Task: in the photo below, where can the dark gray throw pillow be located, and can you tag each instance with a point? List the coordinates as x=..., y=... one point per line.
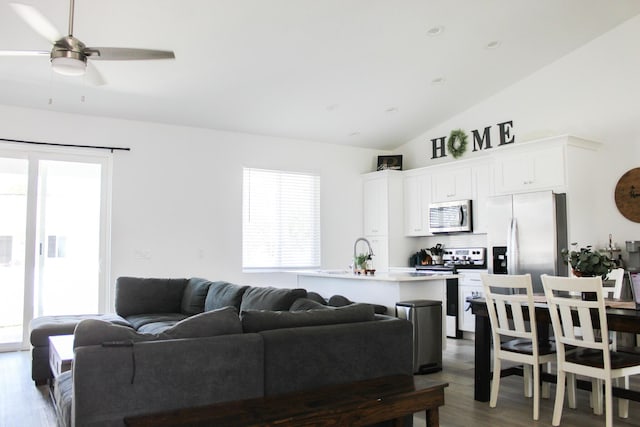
x=307, y=304
x=262, y=320
x=224, y=294
x=223, y=321
x=208, y=324
x=268, y=298
x=194, y=295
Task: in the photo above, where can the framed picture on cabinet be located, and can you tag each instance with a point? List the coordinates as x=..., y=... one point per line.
x=390, y=162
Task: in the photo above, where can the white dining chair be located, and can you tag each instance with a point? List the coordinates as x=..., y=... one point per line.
x=594, y=357
x=515, y=336
x=617, y=276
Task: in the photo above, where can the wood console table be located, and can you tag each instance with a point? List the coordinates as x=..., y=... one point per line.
x=353, y=404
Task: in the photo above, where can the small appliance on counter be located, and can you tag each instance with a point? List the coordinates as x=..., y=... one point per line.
x=455, y=259
x=633, y=249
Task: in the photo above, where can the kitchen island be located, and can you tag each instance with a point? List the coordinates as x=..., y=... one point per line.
x=382, y=288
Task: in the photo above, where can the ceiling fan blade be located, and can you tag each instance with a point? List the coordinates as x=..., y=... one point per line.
x=24, y=53
x=94, y=76
x=126, y=54
x=37, y=21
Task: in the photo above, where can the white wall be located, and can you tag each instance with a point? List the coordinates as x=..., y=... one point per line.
x=177, y=195
x=593, y=93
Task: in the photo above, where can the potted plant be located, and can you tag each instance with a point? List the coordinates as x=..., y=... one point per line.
x=361, y=261
x=586, y=263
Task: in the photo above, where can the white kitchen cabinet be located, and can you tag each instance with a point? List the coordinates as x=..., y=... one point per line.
x=482, y=189
x=527, y=170
x=469, y=286
x=417, y=196
x=383, y=218
x=452, y=184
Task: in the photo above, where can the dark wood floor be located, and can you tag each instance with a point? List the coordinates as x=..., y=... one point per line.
x=22, y=404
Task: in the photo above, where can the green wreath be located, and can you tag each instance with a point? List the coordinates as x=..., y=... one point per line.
x=457, y=143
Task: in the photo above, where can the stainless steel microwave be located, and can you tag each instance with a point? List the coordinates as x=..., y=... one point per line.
x=450, y=217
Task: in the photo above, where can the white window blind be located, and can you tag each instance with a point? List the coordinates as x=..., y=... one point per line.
x=281, y=220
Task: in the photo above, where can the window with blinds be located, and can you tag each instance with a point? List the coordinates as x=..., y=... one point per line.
x=280, y=220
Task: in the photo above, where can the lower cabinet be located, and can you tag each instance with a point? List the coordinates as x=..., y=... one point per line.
x=469, y=286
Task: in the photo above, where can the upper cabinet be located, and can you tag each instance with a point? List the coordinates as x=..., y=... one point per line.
x=383, y=217
x=530, y=169
x=452, y=184
x=376, y=205
x=417, y=196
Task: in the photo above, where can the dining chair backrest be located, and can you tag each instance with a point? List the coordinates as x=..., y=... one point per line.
x=515, y=293
x=617, y=276
x=569, y=312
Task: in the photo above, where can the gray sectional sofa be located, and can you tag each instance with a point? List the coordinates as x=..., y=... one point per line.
x=187, y=342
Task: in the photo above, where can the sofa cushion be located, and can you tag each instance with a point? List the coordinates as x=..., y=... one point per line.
x=268, y=298
x=208, y=324
x=340, y=301
x=135, y=295
x=138, y=321
x=97, y=332
x=262, y=320
x=224, y=294
x=307, y=304
x=195, y=293
x=44, y=327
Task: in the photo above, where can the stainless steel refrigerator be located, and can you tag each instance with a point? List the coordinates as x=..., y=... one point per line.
x=526, y=233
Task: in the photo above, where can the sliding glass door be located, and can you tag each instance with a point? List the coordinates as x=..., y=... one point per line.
x=53, y=239
x=14, y=174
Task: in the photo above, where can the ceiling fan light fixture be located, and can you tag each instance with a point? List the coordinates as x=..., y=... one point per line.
x=68, y=66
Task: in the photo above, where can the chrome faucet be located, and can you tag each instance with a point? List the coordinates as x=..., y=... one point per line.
x=355, y=255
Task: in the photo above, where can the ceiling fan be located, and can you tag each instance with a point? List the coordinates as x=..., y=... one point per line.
x=69, y=55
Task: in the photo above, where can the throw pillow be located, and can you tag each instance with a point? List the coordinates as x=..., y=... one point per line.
x=307, y=304
x=223, y=321
x=316, y=297
x=224, y=294
x=208, y=324
x=194, y=295
x=262, y=320
x=268, y=298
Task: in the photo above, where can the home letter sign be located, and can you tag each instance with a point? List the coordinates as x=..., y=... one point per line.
x=480, y=141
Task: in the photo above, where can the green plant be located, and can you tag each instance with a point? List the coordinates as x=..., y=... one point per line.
x=587, y=263
x=361, y=260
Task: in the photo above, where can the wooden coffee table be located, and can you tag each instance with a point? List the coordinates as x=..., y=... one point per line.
x=354, y=404
x=60, y=353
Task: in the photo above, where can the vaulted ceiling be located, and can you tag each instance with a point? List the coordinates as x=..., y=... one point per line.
x=369, y=73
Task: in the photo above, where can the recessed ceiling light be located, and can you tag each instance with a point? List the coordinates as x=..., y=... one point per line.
x=352, y=134
x=435, y=31
x=391, y=110
x=438, y=81
x=332, y=107
x=493, y=44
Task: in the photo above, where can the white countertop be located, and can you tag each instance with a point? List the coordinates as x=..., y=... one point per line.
x=384, y=277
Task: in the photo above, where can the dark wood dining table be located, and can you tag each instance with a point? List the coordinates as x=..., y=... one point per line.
x=621, y=317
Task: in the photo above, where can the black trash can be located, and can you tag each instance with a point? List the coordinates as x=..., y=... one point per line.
x=426, y=317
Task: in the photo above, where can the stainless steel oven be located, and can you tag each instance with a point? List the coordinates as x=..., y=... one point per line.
x=454, y=260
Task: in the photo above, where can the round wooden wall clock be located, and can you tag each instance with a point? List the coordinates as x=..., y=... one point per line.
x=628, y=195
